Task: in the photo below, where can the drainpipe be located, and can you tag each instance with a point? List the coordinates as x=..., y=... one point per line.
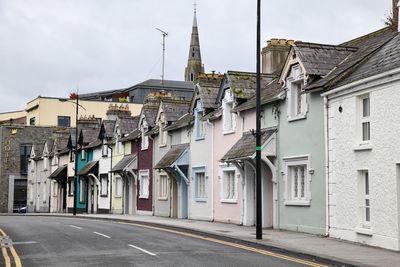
x=326, y=130
x=212, y=168
x=109, y=147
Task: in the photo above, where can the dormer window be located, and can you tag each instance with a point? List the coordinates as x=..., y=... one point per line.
x=198, y=123
x=297, y=101
x=163, y=135
x=145, y=138
x=104, y=150
x=229, y=122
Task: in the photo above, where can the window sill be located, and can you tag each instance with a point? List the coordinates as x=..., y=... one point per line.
x=233, y=201
x=296, y=118
x=199, y=138
x=200, y=199
x=144, y=197
x=103, y=195
x=362, y=147
x=363, y=231
x=162, y=198
x=118, y=196
x=105, y=156
x=298, y=203
x=228, y=132
x=164, y=145
x=143, y=149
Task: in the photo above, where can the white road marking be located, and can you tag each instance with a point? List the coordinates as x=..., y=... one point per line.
x=97, y=233
x=77, y=227
x=141, y=249
x=24, y=242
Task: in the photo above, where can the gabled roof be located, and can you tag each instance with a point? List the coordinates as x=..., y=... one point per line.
x=38, y=150
x=174, y=109
x=171, y=156
x=366, y=45
x=120, y=166
x=127, y=125
x=150, y=109
x=109, y=126
x=93, y=144
x=206, y=90
x=153, y=131
x=90, y=167
x=320, y=59
x=242, y=84
x=245, y=147
x=132, y=136
x=185, y=120
x=60, y=172
x=90, y=135
x=385, y=59
x=270, y=93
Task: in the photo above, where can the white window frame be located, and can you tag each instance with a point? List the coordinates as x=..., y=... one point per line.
x=82, y=192
x=45, y=163
x=118, y=186
x=289, y=163
x=104, y=180
x=83, y=154
x=145, y=138
x=223, y=169
x=44, y=191
x=162, y=186
x=162, y=136
x=144, y=190
x=199, y=125
x=198, y=187
x=293, y=82
x=363, y=119
x=227, y=106
x=364, y=197
x=71, y=182
x=104, y=150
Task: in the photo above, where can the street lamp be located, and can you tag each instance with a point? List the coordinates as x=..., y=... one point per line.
x=75, y=96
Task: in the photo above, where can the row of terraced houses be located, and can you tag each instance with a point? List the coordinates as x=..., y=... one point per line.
x=330, y=160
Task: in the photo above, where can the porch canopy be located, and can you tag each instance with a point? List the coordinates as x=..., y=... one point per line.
x=177, y=156
x=60, y=174
x=245, y=147
x=128, y=164
x=92, y=167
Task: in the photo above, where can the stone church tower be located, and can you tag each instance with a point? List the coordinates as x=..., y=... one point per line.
x=194, y=66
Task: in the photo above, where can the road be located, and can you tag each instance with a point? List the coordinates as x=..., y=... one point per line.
x=57, y=241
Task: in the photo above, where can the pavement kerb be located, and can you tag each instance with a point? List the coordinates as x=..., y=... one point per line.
x=321, y=258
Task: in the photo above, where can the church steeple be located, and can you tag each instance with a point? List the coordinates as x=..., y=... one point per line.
x=194, y=66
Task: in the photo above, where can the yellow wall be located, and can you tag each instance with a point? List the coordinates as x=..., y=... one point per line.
x=50, y=108
x=12, y=115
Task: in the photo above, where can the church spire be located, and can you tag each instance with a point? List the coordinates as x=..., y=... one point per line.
x=194, y=66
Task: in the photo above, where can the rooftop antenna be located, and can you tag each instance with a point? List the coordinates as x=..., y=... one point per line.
x=164, y=34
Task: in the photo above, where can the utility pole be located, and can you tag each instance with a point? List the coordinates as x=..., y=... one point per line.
x=258, y=133
x=164, y=34
x=76, y=153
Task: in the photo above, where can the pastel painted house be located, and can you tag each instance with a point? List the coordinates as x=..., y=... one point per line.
x=201, y=147
x=362, y=129
x=171, y=159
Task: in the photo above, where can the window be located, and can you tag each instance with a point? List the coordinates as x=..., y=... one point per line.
x=144, y=184
x=83, y=154
x=296, y=173
x=145, y=138
x=71, y=186
x=364, y=199
x=104, y=150
x=200, y=182
x=118, y=187
x=163, y=136
x=25, y=153
x=98, y=122
x=32, y=121
x=191, y=77
x=297, y=106
x=228, y=182
x=104, y=185
x=45, y=163
x=228, y=116
x=54, y=188
x=162, y=186
x=72, y=156
x=63, y=121
x=365, y=118
x=44, y=190
x=198, y=123
x=82, y=186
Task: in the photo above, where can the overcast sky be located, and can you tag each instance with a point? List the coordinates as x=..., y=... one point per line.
x=51, y=47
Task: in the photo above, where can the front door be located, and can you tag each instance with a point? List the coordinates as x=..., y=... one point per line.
x=173, y=198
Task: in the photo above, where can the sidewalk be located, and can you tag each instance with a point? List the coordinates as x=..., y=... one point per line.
x=323, y=247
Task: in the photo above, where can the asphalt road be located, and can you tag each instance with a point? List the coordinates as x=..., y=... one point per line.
x=50, y=241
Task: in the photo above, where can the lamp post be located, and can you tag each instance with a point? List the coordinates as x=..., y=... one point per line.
x=258, y=134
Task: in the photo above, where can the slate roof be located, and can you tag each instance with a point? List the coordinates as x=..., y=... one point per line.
x=171, y=156
x=185, y=120
x=208, y=90
x=93, y=144
x=60, y=144
x=174, y=109
x=366, y=45
x=60, y=172
x=243, y=84
x=245, y=147
x=320, y=59
x=127, y=125
x=90, y=135
x=168, y=84
x=123, y=162
x=213, y=115
x=38, y=149
x=270, y=93
x=132, y=136
x=90, y=167
x=385, y=59
x=109, y=126
x=153, y=131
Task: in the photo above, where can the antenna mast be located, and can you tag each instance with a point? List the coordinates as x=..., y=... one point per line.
x=164, y=34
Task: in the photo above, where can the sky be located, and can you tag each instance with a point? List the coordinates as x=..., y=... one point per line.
x=54, y=47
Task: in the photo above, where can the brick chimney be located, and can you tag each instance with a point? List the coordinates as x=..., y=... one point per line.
x=87, y=122
x=115, y=111
x=274, y=54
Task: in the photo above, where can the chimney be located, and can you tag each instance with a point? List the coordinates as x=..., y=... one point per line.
x=115, y=111
x=274, y=54
x=88, y=122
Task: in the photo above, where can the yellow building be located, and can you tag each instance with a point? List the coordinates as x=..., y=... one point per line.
x=49, y=111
